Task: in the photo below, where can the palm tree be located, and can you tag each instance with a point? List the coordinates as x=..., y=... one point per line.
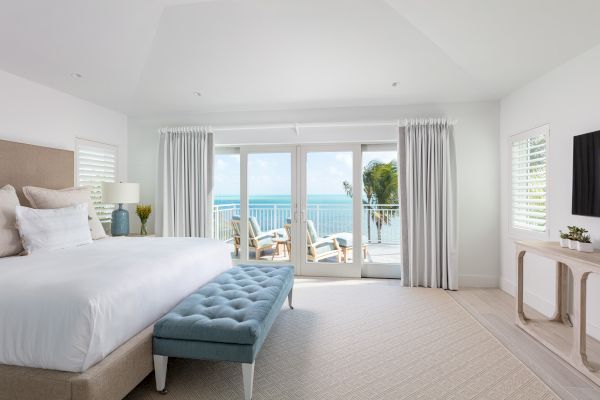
x=385, y=189
x=380, y=186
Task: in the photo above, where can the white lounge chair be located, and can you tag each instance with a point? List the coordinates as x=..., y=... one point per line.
x=257, y=240
x=318, y=248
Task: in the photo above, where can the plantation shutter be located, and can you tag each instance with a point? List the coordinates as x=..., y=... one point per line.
x=528, y=180
x=97, y=163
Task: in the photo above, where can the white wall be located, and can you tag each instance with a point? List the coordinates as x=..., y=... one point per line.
x=477, y=161
x=35, y=114
x=567, y=98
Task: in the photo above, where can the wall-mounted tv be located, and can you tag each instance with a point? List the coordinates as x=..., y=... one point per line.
x=586, y=174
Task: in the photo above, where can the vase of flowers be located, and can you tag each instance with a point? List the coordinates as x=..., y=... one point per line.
x=143, y=211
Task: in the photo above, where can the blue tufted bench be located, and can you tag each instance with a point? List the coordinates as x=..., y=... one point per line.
x=227, y=319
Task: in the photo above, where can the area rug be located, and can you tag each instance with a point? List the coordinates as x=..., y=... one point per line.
x=364, y=339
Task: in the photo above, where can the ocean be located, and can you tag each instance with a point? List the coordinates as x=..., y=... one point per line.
x=329, y=213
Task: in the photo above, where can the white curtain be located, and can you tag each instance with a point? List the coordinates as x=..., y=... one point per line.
x=427, y=186
x=185, y=182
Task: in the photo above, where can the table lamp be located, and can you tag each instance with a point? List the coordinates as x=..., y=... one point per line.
x=120, y=193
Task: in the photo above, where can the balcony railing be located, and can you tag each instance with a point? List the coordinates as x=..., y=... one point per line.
x=328, y=218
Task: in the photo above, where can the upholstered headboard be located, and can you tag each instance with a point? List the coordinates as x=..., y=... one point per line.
x=27, y=165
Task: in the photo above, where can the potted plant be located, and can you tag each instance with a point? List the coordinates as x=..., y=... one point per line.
x=564, y=239
x=143, y=211
x=574, y=234
x=584, y=243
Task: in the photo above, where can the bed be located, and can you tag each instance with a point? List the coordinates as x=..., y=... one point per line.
x=76, y=324
x=67, y=310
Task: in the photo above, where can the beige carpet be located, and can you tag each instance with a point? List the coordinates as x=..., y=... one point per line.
x=364, y=339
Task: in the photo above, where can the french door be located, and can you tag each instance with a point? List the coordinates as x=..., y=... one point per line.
x=329, y=210
x=268, y=205
x=305, y=205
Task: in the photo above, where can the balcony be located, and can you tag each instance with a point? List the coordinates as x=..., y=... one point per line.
x=380, y=228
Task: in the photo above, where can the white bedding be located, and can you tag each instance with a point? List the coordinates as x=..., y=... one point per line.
x=68, y=309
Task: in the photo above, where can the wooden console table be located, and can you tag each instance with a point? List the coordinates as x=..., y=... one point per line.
x=563, y=334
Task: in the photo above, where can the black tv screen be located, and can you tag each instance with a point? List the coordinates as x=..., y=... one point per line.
x=586, y=174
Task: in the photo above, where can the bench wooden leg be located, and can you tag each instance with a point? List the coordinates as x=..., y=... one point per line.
x=248, y=375
x=160, y=373
x=290, y=298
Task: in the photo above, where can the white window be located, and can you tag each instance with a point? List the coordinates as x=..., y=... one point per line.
x=96, y=163
x=529, y=152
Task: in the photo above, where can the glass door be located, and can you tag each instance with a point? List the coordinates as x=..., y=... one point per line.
x=227, y=198
x=329, y=212
x=268, y=204
x=380, y=219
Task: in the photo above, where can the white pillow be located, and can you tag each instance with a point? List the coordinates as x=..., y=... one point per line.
x=53, y=229
x=49, y=198
x=10, y=244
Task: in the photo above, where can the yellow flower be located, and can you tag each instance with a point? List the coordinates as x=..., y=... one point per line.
x=143, y=211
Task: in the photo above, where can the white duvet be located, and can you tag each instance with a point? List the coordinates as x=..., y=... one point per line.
x=68, y=309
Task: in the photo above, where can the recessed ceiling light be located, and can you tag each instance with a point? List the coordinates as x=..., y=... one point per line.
x=76, y=75
x=394, y=84
x=197, y=94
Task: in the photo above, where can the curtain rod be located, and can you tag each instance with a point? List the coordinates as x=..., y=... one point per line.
x=298, y=126
x=301, y=125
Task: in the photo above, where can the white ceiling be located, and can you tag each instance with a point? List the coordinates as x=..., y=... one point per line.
x=147, y=57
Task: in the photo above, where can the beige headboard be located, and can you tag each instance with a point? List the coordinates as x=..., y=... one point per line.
x=27, y=165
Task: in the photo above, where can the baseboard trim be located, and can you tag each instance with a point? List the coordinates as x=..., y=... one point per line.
x=593, y=331
x=531, y=299
x=508, y=286
x=477, y=281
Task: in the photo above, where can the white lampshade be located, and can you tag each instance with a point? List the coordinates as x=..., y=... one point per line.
x=120, y=192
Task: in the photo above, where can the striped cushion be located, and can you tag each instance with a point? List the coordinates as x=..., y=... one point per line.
x=53, y=229
x=312, y=231
x=255, y=226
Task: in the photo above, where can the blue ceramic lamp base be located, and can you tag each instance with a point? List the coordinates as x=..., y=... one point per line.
x=120, y=222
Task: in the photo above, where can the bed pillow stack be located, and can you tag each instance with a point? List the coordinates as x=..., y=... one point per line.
x=53, y=229
x=59, y=219
x=10, y=243
x=47, y=198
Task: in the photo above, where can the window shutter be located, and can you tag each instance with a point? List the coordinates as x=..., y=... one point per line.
x=97, y=163
x=528, y=180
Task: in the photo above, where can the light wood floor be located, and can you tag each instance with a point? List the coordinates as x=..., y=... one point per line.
x=494, y=309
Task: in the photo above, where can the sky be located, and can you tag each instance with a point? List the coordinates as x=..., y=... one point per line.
x=270, y=173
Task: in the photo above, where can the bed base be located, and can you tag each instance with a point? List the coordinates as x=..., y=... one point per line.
x=111, y=379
